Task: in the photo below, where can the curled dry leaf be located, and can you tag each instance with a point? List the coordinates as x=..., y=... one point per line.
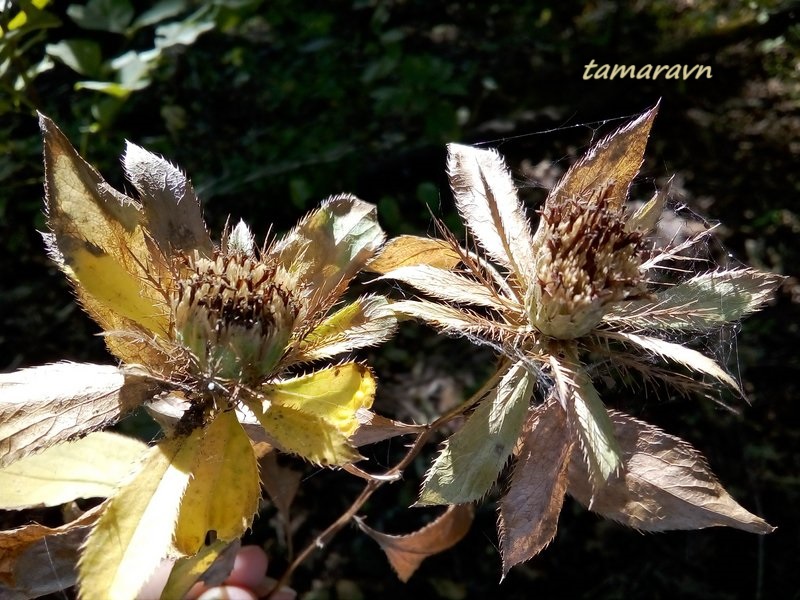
x=664, y=484
x=375, y=428
x=406, y=552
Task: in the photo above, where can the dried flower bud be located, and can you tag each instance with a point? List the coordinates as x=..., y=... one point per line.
x=587, y=260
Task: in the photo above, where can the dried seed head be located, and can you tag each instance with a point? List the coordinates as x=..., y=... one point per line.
x=586, y=261
x=233, y=314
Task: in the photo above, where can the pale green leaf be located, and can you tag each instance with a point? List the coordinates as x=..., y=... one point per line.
x=589, y=421
x=701, y=303
x=663, y=484
x=91, y=467
x=487, y=202
x=691, y=359
x=135, y=530
x=329, y=246
x=473, y=457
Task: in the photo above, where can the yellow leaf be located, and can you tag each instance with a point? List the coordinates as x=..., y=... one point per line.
x=305, y=435
x=98, y=241
x=224, y=491
x=410, y=250
x=135, y=530
x=333, y=394
x=91, y=467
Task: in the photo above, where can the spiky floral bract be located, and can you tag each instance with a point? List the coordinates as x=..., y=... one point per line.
x=577, y=293
x=219, y=330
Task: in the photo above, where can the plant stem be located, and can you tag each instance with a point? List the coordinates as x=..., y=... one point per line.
x=372, y=485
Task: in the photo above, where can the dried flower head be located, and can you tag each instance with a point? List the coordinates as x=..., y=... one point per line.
x=561, y=305
x=210, y=338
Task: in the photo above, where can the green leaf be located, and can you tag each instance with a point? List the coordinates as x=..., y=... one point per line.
x=473, y=457
x=701, y=303
x=162, y=11
x=82, y=56
x=102, y=15
x=590, y=421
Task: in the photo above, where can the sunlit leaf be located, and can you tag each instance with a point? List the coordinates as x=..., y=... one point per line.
x=366, y=322
x=691, y=359
x=42, y=406
x=36, y=560
x=406, y=552
x=530, y=507
x=646, y=217
x=330, y=245
x=664, y=484
x=446, y=285
x=306, y=435
x=98, y=241
x=409, y=250
x=135, y=530
x=333, y=394
x=703, y=302
x=487, y=201
x=91, y=467
x=171, y=209
x=472, y=458
x=224, y=491
x=589, y=420
x=614, y=160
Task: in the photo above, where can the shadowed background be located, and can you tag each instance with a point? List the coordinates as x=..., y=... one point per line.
x=272, y=106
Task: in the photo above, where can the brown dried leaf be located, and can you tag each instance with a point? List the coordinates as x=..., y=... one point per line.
x=45, y=405
x=529, y=509
x=36, y=560
x=376, y=428
x=406, y=552
x=410, y=250
x=664, y=484
x=615, y=159
x=281, y=483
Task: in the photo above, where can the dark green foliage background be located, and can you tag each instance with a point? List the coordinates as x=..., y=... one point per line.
x=271, y=106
